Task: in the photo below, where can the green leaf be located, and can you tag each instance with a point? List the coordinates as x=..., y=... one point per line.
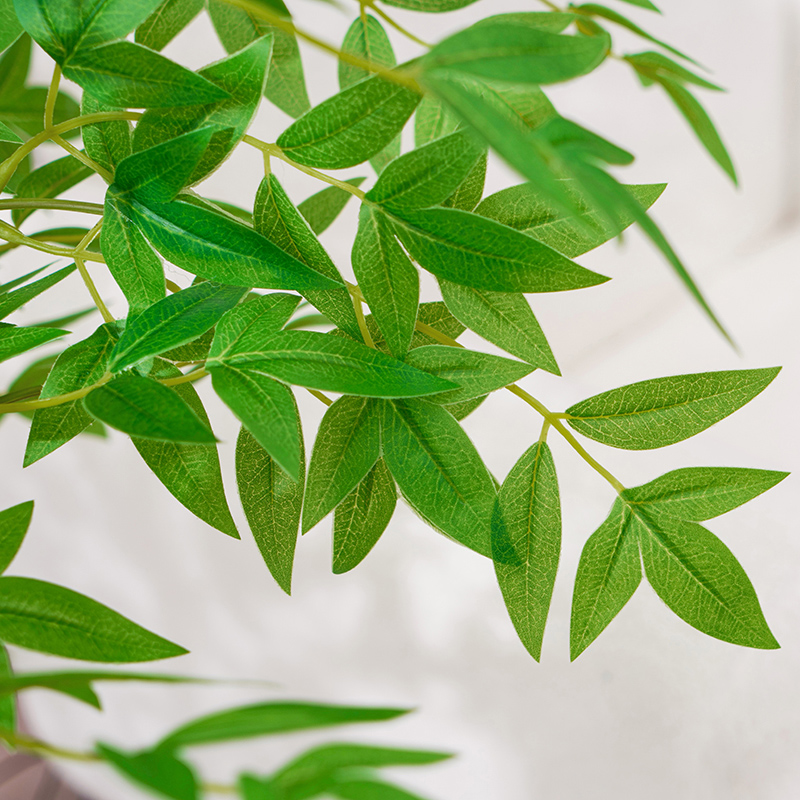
x=369, y=789
x=346, y=448
x=696, y=575
x=131, y=261
x=334, y=364
x=266, y=408
x=10, y=31
x=23, y=111
x=660, y=412
x=13, y=300
x=526, y=209
x=699, y=493
x=15, y=340
x=49, y=180
x=652, y=66
x=242, y=76
x=474, y=251
x=156, y=770
x=127, y=74
x=265, y=719
x=14, y=524
x=215, y=246
x=7, y=135
x=504, y=319
x=470, y=190
x=428, y=175
x=252, y=788
x=642, y=4
x=439, y=471
x=15, y=62
x=609, y=572
x=361, y=518
x=8, y=705
x=190, y=472
x=52, y=619
x=286, y=86
x=437, y=316
x=80, y=365
x=432, y=120
x=146, y=409
x=366, y=39
x=107, y=143
x=529, y=523
x=387, y=279
x=277, y=219
x=28, y=383
x=506, y=50
x=173, y=321
x=272, y=502
x=322, y=208
x=351, y=126
x=475, y=373
x=433, y=6
x=166, y=22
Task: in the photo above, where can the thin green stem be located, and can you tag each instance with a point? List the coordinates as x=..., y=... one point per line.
x=84, y=159
x=53, y=203
x=11, y=234
x=389, y=21
x=32, y=405
x=80, y=252
x=52, y=96
x=362, y=322
x=219, y=788
x=189, y=377
x=545, y=429
x=43, y=748
x=320, y=396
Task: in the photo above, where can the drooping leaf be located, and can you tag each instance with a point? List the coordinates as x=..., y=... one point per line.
x=15, y=340
x=529, y=523
x=157, y=770
x=14, y=524
x=107, y=143
x=387, y=279
x=660, y=412
x=147, y=409
x=272, y=502
x=609, y=572
x=322, y=208
x=11, y=301
x=504, y=319
x=439, y=471
x=265, y=719
x=8, y=705
x=700, y=493
x=361, y=518
x=345, y=450
x=52, y=619
x=166, y=22
x=49, y=180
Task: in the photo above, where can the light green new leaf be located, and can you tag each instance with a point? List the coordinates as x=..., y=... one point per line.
x=242, y=76
x=146, y=409
x=190, y=472
x=346, y=448
x=8, y=705
x=173, y=321
x=504, y=319
x=266, y=408
x=322, y=208
x=166, y=22
x=14, y=524
x=107, y=143
x=10, y=30
x=660, y=412
x=475, y=373
x=351, y=126
x=129, y=75
x=526, y=209
x=265, y=719
x=286, y=86
x=11, y=301
x=387, y=279
x=131, y=261
x=7, y=135
x=276, y=218
x=157, y=770
x=696, y=575
x=52, y=619
x=335, y=364
x=699, y=493
x=529, y=524
x=609, y=572
x=439, y=471
x=15, y=340
x=49, y=180
x=272, y=502
x=432, y=6
x=213, y=245
x=361, y=518
x=80, y=365
x=474, y=251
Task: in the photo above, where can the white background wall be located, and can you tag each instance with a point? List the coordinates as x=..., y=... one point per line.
x=653, y=708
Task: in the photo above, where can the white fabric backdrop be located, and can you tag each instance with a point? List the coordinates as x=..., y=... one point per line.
x=653, y=708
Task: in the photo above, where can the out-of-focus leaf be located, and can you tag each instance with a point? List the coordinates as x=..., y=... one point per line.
x=49, y=180
x=14, y=524
x=157, y=770
x=13, y=300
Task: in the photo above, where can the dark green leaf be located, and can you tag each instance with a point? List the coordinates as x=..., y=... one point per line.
x=10, y=30
x=439, y=471
x=146, y=409
x=13, y=300
x=14, y=524
x=15, y=340
x=272, y=502
x=157, y=770
x=432, y=120
x=265, y=719
x=346, y=448
x=257, y=788
x=166, y=22
x=107, y=143
x=51, y=619
x=361, y=518
x=660, y=412
x=322, y=208
x=609, y=572
x=8, y=705
x=49, y=180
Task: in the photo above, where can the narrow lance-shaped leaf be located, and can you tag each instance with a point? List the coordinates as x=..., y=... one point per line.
x=432, y=6
x=660, y=412
x=347, y=788
x=7, y=135
x=322, y=208
x=49, y=180
x=272, y=502
x=156, y=770
x=650, y=66
x=15, y=340
x=8, y=705
x=14, y=524
x=166, y=22
x=13, y=300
